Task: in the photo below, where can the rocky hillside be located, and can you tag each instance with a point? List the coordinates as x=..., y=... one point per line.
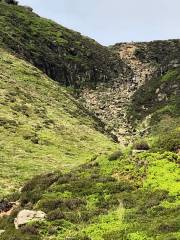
x=104, y=79
x=63, y=54
x=112, y=101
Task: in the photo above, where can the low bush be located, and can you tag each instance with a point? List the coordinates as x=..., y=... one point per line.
x=141, y=145
x=114, y=156
x=30, y=230
x=54, y=215
x=13, y=234
x=169, y=142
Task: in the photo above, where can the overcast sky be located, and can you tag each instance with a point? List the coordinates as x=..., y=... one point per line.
x=112, y=21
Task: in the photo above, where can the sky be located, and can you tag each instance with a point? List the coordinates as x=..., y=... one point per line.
x=112, y=21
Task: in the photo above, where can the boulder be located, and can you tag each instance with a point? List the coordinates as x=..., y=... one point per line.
x=26, y=216
x=2, y=231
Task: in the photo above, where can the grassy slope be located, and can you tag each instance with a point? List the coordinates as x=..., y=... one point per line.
x=135, y=197
x=41, y=128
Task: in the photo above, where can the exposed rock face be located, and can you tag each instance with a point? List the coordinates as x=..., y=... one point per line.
x=25, y=216
x=110, y=101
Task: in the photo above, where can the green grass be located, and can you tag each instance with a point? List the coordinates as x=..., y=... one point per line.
x=41, y=127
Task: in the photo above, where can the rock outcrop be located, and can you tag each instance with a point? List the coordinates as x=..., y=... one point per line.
x=25, y=216
x=110, y=101
x=5, y=206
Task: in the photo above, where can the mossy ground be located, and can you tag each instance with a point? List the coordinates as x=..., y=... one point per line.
x=41, y=127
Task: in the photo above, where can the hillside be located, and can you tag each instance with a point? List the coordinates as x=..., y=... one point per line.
x=149, y=62
x=41, y=126
x=104, y=79
x=65, y=103
x=63, y=54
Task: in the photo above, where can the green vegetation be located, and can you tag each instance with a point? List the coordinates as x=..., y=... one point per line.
x=42, y=128
x=134, y=197
x=94, y=190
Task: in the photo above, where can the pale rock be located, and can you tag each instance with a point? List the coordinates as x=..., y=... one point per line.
x=2, y=231
x=25, y=216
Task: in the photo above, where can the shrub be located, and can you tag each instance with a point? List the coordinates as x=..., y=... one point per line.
x=168, y=227
x=114, y=156
x=13, y=234
x=31, y=230
x=50, y=205
x=169, y=142
x=56, y=214
x=13, y=2
x=141, y=145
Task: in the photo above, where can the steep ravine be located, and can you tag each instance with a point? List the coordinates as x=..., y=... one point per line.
x=111, y=101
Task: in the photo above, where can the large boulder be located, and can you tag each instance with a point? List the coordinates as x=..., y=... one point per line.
x=26, y=216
